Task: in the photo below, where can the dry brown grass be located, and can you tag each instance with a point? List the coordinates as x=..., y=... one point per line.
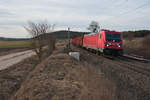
x=138, y=43
x=146, y=42
x=62, y=78
x=96, y=86
x=134, y=43
x=138, y=46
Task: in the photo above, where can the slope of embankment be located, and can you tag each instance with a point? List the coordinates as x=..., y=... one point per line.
x=61, y=77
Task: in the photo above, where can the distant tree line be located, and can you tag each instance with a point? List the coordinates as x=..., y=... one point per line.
x=133, y=34
x=13, y=39
x=64, y=34
x=126, y=34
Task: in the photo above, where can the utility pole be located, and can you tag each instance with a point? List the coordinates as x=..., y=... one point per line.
x=68, y=37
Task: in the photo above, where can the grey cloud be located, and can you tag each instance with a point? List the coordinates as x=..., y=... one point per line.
x=76, y=13
x=5, y=13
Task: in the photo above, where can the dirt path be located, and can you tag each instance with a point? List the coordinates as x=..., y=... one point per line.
x=11, y=59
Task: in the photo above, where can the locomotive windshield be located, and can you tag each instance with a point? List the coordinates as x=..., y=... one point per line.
x=113, y=37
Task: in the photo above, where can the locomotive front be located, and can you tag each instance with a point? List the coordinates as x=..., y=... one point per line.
x=113, y=43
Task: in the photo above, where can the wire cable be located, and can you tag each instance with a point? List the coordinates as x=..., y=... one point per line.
x=139, y=7
x=135, y=9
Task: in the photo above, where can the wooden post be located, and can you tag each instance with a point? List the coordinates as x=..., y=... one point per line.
x=68, y=38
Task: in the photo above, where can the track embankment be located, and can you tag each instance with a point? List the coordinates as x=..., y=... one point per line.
x=61, y=77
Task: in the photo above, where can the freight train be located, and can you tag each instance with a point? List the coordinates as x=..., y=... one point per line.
x=105, y=42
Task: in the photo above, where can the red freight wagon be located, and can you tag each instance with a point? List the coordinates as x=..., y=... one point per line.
x=90, y=41
x=108, y=42
x=77, y=41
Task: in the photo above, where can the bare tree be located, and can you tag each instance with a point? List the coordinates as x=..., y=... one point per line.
x=94, y=26
x=39, y=39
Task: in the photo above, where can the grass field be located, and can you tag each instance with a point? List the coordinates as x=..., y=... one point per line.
x=14, y=44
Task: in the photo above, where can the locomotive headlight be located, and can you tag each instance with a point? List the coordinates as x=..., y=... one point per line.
x=108, y=44
x=119, y=45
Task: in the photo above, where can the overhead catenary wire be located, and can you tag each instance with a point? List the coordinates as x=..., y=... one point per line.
x=112, y=19
x=139, y=7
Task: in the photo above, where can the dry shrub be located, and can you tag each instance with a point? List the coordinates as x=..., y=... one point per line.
x=51, y=45
x=96, y=86
x=39, y=38
x=146, y=41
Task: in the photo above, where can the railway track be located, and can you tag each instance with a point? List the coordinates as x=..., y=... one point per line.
x=128, y=62
x=131, y=64
x=136, y=58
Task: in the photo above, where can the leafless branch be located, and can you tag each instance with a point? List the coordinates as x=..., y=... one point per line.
x=39, y=40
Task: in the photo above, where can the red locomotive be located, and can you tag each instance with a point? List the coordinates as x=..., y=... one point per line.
x=107, y=42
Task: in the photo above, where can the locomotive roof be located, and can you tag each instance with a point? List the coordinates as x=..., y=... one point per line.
x=110, y=31
x=101, y=31
x=91, y=34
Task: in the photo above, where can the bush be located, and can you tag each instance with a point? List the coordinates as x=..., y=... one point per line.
x=146, y=41
x=135, y=34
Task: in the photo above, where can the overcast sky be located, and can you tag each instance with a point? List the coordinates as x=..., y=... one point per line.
x=117, y=15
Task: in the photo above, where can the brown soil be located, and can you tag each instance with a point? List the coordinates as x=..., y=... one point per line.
x=11, y=78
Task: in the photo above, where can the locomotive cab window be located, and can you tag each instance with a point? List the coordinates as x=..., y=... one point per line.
x=113, y=37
